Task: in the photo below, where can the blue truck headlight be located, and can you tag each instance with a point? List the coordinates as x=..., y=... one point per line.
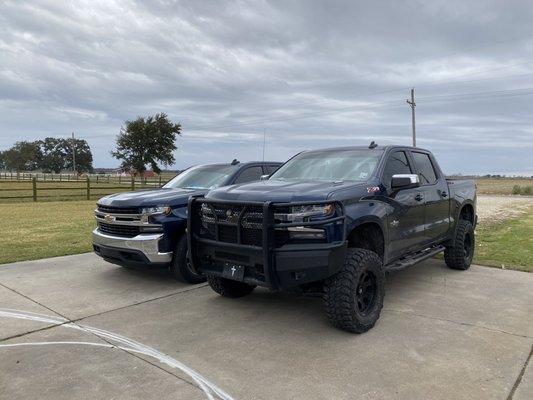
x=157, y=210
x=306, y=212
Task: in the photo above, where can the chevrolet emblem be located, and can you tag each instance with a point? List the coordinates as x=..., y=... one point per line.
x=232, y=216
x=109, y=218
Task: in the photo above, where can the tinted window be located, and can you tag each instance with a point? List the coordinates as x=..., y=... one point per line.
x=425, y=168
x=271, y=168
x=250, y=174
x=396, y=164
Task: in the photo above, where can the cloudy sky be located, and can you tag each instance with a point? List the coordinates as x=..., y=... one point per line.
x=310, y=74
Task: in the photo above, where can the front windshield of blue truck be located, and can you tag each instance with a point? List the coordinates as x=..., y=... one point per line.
x=331, y=166
x=202, y=177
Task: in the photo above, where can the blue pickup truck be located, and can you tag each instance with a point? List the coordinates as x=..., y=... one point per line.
x=332, y=222
x=146, y=228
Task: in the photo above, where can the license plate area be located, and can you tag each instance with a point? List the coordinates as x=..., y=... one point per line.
x=233, y=271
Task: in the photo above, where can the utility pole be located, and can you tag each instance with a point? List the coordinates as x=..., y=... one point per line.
x=73, y=153
x=413, y=105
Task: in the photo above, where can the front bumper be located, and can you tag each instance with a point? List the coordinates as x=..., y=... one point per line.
x=265, y=262
x=140, y=249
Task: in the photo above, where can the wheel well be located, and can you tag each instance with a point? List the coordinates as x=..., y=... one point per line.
x=368, y=236
x=467, y=213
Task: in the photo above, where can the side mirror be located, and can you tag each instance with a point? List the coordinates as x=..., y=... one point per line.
x=264, y=177
x=405, y=181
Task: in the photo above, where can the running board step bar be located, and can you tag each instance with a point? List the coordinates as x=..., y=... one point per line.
x=414, y=258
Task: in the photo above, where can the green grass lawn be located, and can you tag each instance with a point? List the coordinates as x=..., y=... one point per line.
x=30, y=231
x=509, y=243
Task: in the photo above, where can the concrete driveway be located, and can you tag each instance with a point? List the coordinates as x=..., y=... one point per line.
x=77, y=327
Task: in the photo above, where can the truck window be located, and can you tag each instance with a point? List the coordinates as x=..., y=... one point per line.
x=249, y=175
x=396, y=164
x=425, y=168
x=271, y=169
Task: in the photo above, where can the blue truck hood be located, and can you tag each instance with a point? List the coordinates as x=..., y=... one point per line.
x=279, y=191
x=150, y=198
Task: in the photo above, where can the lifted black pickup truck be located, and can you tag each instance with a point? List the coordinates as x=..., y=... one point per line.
x=333, y=222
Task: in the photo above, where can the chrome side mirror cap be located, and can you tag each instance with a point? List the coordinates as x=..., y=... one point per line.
x=405, y=181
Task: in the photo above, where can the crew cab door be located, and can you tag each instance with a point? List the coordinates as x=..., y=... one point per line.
x=406, y=219
x=436, y=196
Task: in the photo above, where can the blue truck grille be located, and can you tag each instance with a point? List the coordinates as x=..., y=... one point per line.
x=227, y=218
x=118, y=230
x=118, y=210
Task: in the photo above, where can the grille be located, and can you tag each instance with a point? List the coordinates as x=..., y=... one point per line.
x=251, y=224
x=118, y=210
x=118, y=230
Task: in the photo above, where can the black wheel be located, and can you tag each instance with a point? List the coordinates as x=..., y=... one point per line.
x=354, y=296
x=228, y=288
x=459, y=256
x=180, y=268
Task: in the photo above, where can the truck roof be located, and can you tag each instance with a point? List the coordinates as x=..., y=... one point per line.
x=385, y=148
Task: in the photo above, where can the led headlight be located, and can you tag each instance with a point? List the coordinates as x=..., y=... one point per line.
x=157, y=210
x=148, y=212
x=304, y=213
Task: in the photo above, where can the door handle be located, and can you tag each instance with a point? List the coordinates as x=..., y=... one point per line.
x=418, y=197
x=444, y=194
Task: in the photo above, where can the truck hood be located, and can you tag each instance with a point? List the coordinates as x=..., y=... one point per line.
x=279, y=191
x=150, y=198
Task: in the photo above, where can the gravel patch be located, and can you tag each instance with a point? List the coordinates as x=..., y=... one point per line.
x=499, y=208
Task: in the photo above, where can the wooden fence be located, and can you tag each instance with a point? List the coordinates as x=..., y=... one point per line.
x=45, y=190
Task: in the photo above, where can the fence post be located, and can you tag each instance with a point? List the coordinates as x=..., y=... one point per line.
x=88, y=189
x=159, y=180
x=34, y=188
x=132, y=183
x=119, y=179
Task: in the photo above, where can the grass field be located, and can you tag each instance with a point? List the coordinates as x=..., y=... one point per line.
x=507, y=244
x=31, y=231
x=503, y=186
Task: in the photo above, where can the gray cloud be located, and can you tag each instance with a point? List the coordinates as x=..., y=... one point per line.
x=310, y=73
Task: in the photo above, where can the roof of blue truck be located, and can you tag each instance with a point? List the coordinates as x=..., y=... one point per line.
x=388, y=147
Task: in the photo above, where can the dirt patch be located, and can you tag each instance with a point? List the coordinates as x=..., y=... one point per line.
x=499, y=208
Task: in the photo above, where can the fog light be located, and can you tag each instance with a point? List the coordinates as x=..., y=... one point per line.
x=301, y=232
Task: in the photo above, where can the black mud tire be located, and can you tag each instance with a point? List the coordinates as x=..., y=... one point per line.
x=180, y=268
x=460, y=255
x=353, y=297
x=229, y=288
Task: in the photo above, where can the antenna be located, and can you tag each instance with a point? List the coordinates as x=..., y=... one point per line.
x=373, y=145
x=264, y=142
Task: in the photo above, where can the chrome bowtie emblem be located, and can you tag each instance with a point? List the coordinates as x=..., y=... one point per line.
x=232, y=216
x=394, y=222
x=109, y=218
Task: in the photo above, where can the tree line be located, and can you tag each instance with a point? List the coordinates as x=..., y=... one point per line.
x=48, y=155
x=141, y=143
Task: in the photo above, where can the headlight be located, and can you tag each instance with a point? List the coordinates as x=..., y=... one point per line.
x=148, y=212
x=157, y=210
x=305, y=213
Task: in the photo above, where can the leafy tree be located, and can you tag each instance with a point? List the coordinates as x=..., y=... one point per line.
x=56, y=155
x=2, y=164
x=23, y=156
x=147, y=142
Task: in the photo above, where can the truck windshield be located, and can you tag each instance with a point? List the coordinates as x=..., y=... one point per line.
x=331, y=165
x=202, y=177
